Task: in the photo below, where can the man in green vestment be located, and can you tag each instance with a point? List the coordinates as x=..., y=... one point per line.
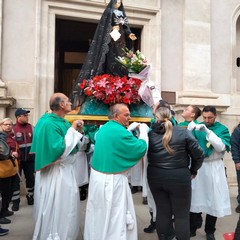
x=110, y=210
x=55, y=144
x=210, y=192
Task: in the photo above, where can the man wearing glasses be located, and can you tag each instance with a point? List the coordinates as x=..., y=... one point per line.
x=24, y=133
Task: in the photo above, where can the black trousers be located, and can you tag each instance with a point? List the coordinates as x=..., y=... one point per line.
x=6, y=189
x=28, y=168
x=172, y=199
x=210, y=223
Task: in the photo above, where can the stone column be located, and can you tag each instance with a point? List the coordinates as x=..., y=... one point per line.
x=5, y=101
x=197, y=47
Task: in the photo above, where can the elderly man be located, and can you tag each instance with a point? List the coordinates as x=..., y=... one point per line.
x=110, y=211
x=55, y=144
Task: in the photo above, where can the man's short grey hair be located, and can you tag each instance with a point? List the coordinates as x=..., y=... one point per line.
x=115, y=109
x=54, y=104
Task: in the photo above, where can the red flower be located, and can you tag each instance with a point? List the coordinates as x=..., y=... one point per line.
x=126, y=100
x=83, y=84
x=88, y=91
x=112, y=89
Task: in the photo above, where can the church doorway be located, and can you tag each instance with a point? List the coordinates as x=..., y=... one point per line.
x=72, y=42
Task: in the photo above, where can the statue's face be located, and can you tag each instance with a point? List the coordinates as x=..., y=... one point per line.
x=117, y=4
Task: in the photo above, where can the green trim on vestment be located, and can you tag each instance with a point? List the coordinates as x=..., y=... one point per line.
x=219, y=129
x=196, y=134
x=48, y=139
x=90, y=131
x=116, y=149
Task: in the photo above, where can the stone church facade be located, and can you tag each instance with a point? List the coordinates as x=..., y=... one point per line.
x=193, y=46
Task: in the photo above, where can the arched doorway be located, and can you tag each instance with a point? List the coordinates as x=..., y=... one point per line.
x=72, y=42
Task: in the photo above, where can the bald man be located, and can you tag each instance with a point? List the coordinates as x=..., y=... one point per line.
x=55, y=144
x=110, y=213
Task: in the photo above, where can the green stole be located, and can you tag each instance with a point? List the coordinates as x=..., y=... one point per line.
x=219, y=129
x=48, y=139
x=116, y=149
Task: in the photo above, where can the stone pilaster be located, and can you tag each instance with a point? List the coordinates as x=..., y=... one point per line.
x=5, y=101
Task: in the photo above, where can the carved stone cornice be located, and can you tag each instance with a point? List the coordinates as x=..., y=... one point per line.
x=221, y=101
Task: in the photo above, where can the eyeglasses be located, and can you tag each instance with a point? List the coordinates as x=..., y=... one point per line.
x=7, y=124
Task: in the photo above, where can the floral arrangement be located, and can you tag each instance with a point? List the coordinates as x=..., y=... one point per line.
x=134, y=62
x=112, y=89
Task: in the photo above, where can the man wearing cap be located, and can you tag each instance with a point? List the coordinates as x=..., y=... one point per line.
x=24, y=133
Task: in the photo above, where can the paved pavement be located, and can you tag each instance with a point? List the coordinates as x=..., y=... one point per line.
x=22, y=224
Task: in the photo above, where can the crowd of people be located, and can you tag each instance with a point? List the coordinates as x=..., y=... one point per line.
x=178, y=166
x=15, y=145
x=185, y=172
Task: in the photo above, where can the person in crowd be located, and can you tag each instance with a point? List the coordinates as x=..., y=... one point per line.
x=210, y=192
x=90, y=131
x=106, y=46
x=23, y=132
x=190, y=113
x=151, y=204
x=235, y=150
x=55, y=144
x=81, y=168
x=171, y=150
x=11, y=177
x=110, y=210
x=8, y=170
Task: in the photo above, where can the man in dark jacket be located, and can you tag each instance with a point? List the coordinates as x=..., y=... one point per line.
x=24, y=133
x=235, y=150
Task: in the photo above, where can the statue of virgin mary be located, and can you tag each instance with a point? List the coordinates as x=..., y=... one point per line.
x=112, y=34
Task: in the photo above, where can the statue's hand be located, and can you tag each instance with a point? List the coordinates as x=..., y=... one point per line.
x=116, y=27
x=132, y=36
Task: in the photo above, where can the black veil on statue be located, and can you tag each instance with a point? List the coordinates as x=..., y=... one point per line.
x=101, y=55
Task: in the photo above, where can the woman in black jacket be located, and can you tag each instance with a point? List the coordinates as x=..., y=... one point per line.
x=174, y=157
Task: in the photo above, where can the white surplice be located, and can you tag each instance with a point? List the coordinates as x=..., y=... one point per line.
x=136, y=174
x=210, y=193
x=57, y=203
x=81, y=163
x=109, y=201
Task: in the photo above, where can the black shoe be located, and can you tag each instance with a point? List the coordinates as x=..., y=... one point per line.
x=7, y=213
x=150, y=228
x=237, y=209
x=199, y=221
x=134, y=189
x=15, y=206
x=4, y=220
x=83, y=194
x=210, y=236
x=30, y=199
x=3, y=231
x=193, y=233
x=145, y=201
